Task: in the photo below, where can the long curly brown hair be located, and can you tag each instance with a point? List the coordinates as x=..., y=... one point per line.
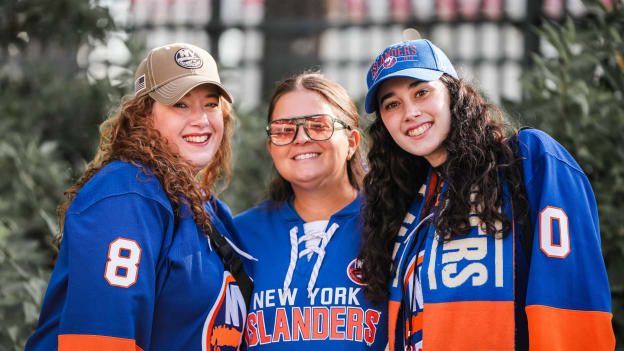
x=130, y=136
x=477, y=157
x=340, y=101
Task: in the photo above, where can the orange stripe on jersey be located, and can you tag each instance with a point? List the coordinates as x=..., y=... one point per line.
x=469, y=325
x=407, y=277
x=439, y=193
x=410, y=270
x=433, y=180
x=561, y=329
x=76, y=342
x=393, y=313
x=416, y=325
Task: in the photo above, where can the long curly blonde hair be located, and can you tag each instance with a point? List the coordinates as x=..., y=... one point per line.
x=130, y=136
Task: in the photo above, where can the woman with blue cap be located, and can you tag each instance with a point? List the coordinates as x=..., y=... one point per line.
x=493, y=241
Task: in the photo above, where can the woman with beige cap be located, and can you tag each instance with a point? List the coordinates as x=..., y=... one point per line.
x=145, y=262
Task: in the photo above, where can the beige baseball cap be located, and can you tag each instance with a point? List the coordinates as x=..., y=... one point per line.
x=170, y=71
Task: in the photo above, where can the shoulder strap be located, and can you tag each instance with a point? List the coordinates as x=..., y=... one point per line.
x=231, y=262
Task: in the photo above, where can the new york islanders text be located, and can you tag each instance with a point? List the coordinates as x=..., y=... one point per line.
x=335, y=314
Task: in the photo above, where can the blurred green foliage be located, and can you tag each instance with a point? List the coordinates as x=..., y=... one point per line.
x=35, y=178
x=252, y=169
x=578, y=98
x=50, y=113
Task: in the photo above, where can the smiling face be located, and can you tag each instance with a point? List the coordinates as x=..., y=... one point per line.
x=306, y=163
x=193, y=126
x=417, y=115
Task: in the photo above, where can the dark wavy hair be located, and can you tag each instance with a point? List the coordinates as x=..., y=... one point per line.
x=476, y=155
x=344, y=107
x=131, y=137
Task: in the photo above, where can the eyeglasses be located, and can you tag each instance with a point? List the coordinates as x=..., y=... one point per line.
x=318, y=127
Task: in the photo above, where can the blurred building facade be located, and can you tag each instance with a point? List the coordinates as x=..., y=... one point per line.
x=258, y=42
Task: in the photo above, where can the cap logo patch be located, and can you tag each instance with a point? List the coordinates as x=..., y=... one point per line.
x=139, y=84
x=389, y=62
x=188, y=59
x=354, y=272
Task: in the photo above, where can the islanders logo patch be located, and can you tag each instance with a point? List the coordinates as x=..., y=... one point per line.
x=223, y=328
x=188, y=59
x=389, y=61
x=354, y=272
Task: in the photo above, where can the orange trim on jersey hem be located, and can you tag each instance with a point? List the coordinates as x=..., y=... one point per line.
x=76, y=342
x=553, y=328
x=393, y=314
x=468, y=326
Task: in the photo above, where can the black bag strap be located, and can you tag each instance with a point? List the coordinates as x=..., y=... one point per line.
x=232, y=263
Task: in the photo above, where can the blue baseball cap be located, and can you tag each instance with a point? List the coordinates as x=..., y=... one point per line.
x=418, y=59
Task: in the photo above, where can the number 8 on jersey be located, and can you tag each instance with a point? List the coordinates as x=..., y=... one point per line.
x=122, y=268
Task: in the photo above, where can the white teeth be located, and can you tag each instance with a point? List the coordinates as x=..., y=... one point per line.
x=418, y=131
x=196, y=138
x=306, y=156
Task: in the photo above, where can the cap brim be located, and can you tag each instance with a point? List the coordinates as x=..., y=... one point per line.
x=173, y=91
x=423, y=74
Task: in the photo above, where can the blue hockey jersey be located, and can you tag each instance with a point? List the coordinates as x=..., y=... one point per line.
x=295, y=306
x=132, y=276
x=480, y=293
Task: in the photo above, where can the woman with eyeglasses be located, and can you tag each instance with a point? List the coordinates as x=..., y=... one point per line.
x=307, y=289
x=493, y=242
